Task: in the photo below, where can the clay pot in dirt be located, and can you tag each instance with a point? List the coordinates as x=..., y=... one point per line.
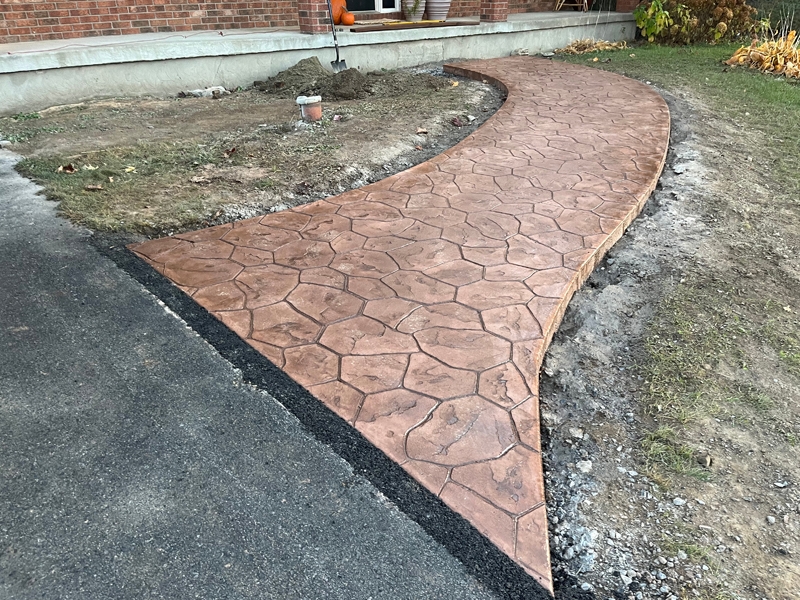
x=413, y=9
x=437, y=9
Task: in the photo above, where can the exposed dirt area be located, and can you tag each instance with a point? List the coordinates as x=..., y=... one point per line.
x=671, y=396
x=163, y=165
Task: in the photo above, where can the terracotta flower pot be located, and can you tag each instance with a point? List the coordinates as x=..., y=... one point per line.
x=408, y=6
x=438, y=9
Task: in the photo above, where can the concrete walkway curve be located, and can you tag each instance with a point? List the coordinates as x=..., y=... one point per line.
x=418, y=308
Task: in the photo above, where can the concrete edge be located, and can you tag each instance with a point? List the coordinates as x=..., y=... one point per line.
x=37, y=56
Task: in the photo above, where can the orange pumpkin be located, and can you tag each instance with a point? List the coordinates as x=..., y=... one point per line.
x=340, y=14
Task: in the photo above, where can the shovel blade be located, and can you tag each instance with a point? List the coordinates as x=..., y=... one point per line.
x=338, y=65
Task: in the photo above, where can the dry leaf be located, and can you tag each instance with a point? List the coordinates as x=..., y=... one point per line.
x=200, y=179
x=417, y=147
x=130, y=169
x=89, y=168
x=93, y=188
x=454, y=83
x=422, y=131
x=229, y=152
x=69, y=169
x=110, y=180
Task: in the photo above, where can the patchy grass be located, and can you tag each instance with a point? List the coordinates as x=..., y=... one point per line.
x=663, y=452
x=722, y=337
x=201, y=162
x=136, y=182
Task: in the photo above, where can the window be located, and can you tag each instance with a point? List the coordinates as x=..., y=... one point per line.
x=373, y=5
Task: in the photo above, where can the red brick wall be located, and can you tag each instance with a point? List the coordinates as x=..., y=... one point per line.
x=524, y=6
x=464, y=8
x=472, y=8
x=22, y=20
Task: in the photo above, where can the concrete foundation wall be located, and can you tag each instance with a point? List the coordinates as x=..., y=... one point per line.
x=122, y=70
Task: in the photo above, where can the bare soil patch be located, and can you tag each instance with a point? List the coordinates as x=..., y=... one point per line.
x=671, y=394
x=163, y=165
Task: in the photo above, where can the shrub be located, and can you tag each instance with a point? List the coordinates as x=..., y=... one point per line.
x=692, y=21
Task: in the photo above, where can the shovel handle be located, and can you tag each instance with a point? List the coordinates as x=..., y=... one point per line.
x=333, y=30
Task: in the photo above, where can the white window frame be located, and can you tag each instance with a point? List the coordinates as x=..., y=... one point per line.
x=379, y=8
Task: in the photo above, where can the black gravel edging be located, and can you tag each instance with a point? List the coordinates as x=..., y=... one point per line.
x=483, y=560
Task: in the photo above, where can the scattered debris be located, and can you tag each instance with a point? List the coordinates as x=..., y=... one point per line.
x=590, y=45
x=520, y=52
x=422, y=131
x=457, y=122
x=215, y=91
x=130, y=169
x=93, y=188
x=69, y=169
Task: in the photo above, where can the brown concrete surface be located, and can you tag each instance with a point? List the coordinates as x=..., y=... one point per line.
x=419, y=308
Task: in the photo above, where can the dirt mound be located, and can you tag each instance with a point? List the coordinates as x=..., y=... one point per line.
x=347, y=85
x=393, y=83
x=310, y=78
x=303, y=78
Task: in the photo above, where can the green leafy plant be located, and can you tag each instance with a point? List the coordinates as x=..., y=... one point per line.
x=25, y=116
x=652, y=19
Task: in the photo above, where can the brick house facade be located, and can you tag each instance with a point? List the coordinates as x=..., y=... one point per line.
x=24, y=20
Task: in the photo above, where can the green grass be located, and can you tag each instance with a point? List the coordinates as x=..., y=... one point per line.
x=773, y=103
x=663, y=450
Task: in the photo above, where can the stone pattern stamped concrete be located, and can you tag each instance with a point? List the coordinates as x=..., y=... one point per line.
x=419, y=307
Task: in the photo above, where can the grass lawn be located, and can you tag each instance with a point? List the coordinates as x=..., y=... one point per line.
x=761, y=103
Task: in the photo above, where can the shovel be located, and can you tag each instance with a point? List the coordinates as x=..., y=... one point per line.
x=337, y=65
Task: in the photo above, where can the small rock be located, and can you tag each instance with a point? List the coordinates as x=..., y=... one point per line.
x=678, y=501
x=680, y=168
x=771, y=520
x=576, y=432
x=584, y=466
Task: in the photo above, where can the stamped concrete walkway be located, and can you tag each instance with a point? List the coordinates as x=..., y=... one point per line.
x=419, y=307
